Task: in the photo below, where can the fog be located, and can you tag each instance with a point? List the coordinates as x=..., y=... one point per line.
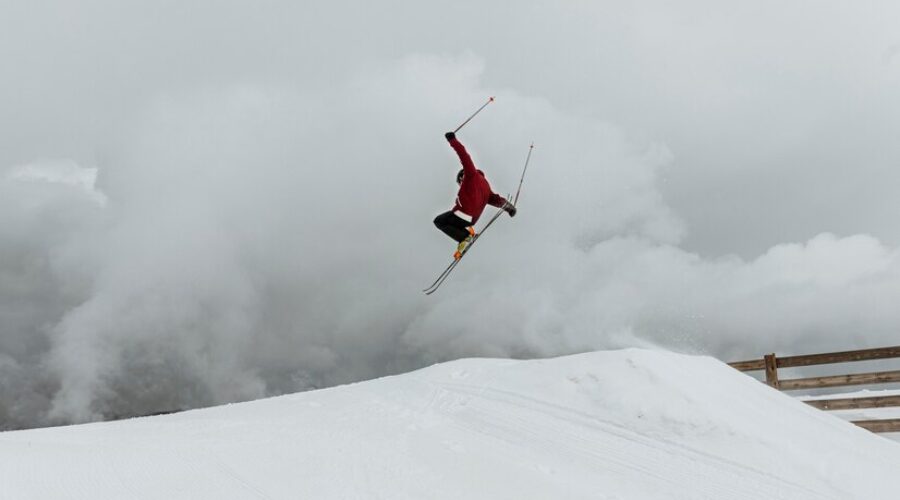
x=208, y=202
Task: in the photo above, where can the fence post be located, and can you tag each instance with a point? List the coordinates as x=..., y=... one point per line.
x=771, y=370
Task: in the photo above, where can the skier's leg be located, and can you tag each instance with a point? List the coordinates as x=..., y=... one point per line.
x=452, y=226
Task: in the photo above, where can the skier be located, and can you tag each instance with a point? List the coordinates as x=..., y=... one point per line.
x=474, y=194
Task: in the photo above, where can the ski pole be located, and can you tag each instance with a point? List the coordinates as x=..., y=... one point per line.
x=473, y=115
x=527, y=158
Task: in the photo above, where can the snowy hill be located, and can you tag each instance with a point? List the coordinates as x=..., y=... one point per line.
x=627, y=424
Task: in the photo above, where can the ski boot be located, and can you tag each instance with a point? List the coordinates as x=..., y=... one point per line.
x=461, y=248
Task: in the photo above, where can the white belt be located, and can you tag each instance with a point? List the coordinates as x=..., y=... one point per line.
x=462, y=215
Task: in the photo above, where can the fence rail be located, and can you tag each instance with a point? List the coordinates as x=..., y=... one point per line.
x=770, y=363
x=854, y=403
x=821, y=359
x=887, y=425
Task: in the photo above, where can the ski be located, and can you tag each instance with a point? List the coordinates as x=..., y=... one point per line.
x=443, y=276
x=437, y=283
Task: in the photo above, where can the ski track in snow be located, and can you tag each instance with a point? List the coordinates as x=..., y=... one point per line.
x=554, y=429
x=618, y=425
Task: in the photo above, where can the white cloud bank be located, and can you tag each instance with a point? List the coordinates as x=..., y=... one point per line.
x=251, y=240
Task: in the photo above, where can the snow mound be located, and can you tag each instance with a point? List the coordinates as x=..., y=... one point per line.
x=630, y=424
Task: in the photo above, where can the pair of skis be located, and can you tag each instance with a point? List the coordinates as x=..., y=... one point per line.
x=444, y=275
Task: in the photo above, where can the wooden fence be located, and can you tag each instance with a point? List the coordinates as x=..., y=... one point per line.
x=771, y=363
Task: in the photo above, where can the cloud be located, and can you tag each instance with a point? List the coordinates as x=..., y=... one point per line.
x=255, y=239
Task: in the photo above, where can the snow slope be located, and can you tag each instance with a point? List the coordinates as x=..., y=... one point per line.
x=629, y=424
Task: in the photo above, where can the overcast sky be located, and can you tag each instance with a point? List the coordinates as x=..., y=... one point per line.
x=208, y=201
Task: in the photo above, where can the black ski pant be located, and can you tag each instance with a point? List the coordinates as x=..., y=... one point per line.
x=452, y=225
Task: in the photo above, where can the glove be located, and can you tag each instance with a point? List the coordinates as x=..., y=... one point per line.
x=510, y=209
x=450, y=136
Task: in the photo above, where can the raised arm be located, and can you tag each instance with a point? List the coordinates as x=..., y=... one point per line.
x=464, y=158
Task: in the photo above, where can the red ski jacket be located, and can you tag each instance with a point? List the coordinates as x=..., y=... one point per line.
x=474, y=192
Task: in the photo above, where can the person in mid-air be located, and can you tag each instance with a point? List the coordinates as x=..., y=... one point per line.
x=474, y=194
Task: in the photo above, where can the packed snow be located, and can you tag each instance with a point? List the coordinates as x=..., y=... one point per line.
x=631, y=424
